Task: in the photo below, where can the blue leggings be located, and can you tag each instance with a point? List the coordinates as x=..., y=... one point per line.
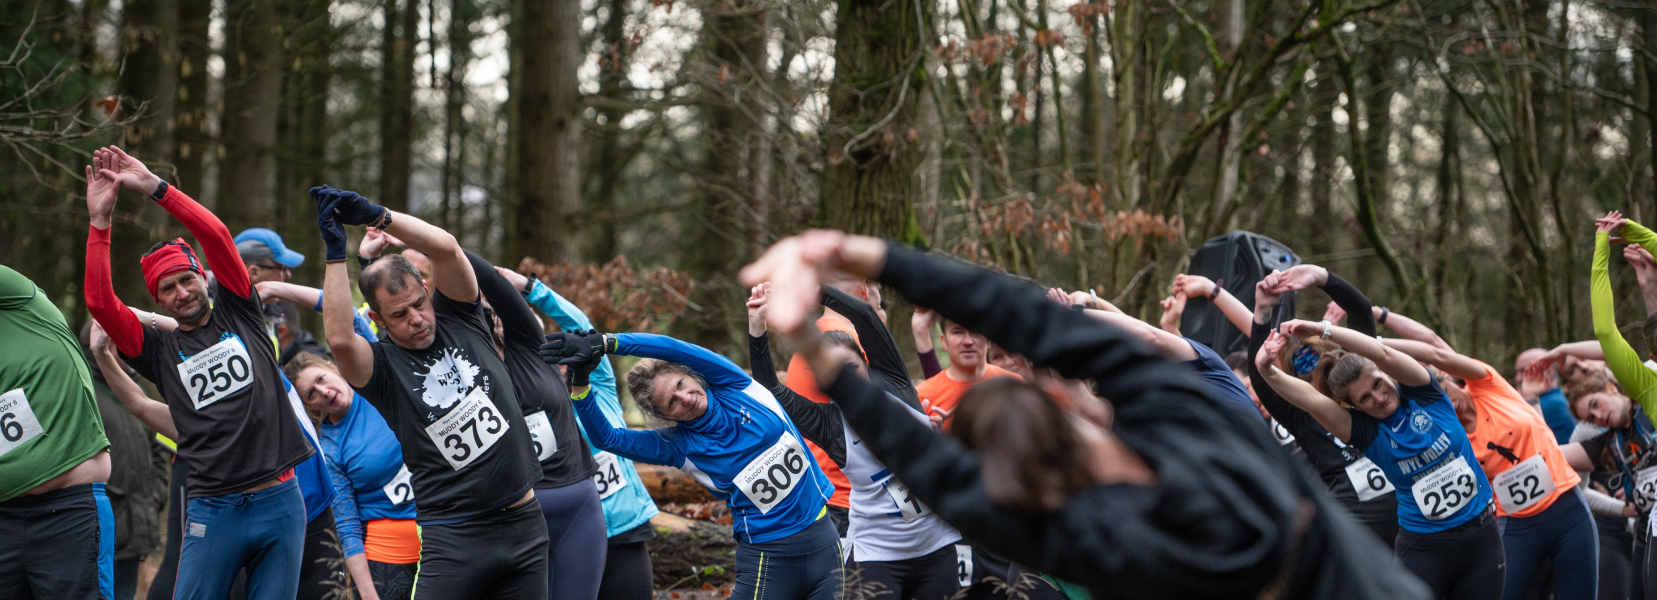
x=263, y=530
x=576, y=545
x=1565, y=531
x=803, y=566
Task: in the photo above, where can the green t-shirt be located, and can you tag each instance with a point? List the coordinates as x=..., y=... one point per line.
x=48, y=414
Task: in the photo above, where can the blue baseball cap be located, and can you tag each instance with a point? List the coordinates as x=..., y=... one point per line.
x=259, y=243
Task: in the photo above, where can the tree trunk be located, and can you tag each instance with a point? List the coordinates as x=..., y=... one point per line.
x=608, y=167
x=149, y=47
x=549, y=181
x=1323, y=224
x=252, y=95
x=191, y=141
x=461, y=14
x=397, y=45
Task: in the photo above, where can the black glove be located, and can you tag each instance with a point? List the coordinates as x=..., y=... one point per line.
x=576, y=374
x=333, y=233
x=573, y=347
x=352, y=208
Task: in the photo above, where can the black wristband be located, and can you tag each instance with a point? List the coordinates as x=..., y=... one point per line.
x=1219, y=286
x=529, y=286
x=160, y=191
x=363, y=261
x=1383, y=318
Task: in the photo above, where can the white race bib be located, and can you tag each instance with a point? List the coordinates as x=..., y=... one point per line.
x=1524, y=484
x=1442, y=492
x=1281, y=434
x=1368, y=479
x=608, y=478
x=773, y=474
x=17, y=421
x=910, y=507
x=1645, y=488
x=401, y=488
x=963, y=564
x=467, y=431
x=540, y=433
x=216, y=372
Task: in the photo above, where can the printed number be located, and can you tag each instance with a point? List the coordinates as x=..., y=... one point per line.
x=455, y=442
x=1376, y=479
x=607, y=477
x=403, y=491
x=1450, y=496
x=778, y=477
x=221, y=376
x=10, y=428
x=537, y=443
x=1525, y=491
x=198, y=383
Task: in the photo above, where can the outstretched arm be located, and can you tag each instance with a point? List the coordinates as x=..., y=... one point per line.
x=1448, y=360
x=1162, y=343
x=209, y=231
x=103, y=188
x=1410, y=329
x=1197, y=286
x=1401, y=367
x=643, y=446
x=1328, y=413
x=302, y=295
x=452, y=274
x=1625, y=362
x=352, y=353
x=714, y=369
x=886, y=366
x=569, y=317
x=153, y=414
x=819, y=423
x=517, y=319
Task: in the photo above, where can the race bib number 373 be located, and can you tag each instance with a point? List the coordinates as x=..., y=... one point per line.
x=468, y=431
x=17, y=421
x=219, y=371
x=773, y=474
x=1443, y=492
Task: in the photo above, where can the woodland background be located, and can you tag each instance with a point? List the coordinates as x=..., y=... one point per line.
x=1447, y=155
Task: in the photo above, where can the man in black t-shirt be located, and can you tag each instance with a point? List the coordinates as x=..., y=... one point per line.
x=448, y=398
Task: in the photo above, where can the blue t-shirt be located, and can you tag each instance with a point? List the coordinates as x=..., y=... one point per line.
x=1225, y=384
x=744, y=449
x=312, y=474
x=1556, y=412
x=1422, y=444
x=363, y=459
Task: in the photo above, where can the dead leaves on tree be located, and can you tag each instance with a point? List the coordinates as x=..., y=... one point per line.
x=616, y=297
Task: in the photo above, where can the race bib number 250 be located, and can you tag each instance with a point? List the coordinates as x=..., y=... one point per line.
x=217, y=372
x=17, y=421
x=773, y=474
x=468, y=431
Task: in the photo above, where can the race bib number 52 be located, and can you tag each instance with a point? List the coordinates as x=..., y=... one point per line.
x=773, y=474
x=1443, y=492
x=1523, y=485
x=17, y=421
x=468, y=431
x=216, y=372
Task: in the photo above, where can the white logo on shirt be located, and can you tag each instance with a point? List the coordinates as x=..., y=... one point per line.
x=1421, y=422
x=448, y=379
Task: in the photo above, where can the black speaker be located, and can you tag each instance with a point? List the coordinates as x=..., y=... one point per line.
x=1236, y=261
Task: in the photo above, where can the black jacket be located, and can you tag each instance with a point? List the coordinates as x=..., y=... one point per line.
x=1230, y=515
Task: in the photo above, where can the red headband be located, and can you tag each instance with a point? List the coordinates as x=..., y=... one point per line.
x=172, y=257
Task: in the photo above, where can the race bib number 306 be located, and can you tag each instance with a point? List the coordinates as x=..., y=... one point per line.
x=1523, y=485
x=608, y=478
x=401, y=487
x=1443, y=492
x=468, y=431
x=540, y=433
x=773, y=474
x=17, y=421
x=216, y=372
x=1367, y=479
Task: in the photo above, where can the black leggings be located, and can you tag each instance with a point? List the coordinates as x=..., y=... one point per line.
x=393, y=581
x=575, y=540
x=1464, y=563
x=499, y=555
x=322, y=575
x=627, y=572
x=1616, y=558
x=929, y=577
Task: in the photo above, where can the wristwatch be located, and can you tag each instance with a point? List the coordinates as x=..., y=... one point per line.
x=1328, y=329
x=160, y=191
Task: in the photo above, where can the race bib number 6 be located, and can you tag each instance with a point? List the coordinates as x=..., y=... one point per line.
x=773, y=474
x=468, y=431
x=1443, y=492
x=17, y=421
x=401, y=488
x=540, y=434
x=1523, y=485
x=216, y=372
x=1368, y=479
x=608, y=478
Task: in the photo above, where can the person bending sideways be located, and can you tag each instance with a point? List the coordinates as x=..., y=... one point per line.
x=57, y=529
x=733, y=437
x=449, y=400
x=1181, y=499
x=217, y=372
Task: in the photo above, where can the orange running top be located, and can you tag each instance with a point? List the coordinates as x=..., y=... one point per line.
x=1511, y=436
x=391, y=541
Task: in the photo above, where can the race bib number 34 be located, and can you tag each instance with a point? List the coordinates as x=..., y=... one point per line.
x=1443, y=492
x=17, y=421
x=1523, y=485
x=401, y=488
x=468, y=431
x=773, y=474
x=1368, y=479
x=216, y=372
x=540, y=433
x=608, y=478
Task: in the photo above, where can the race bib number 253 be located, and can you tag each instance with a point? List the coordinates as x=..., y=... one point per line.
x=216, y=372
x=469, y=430
x=1445, y=490
x=773, y=474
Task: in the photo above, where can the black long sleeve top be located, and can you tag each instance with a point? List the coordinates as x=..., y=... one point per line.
x=1229, y=515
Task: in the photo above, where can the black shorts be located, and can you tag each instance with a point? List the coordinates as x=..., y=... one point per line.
x=60, y=544
x=930, y=577
x=500, y=555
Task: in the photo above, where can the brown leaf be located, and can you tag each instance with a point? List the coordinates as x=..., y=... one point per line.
x=724, y=73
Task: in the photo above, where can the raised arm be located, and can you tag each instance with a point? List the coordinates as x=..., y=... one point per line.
x=303, y=295
x=353, y=354
x=714, y=369
x=103, y=188
x=569, y=317
x=1326, y=411
x=1163, y=343
x=1197, y=286
x=1445, y=359
x=643, y=446
x=152, y=413
x=886, y=366
x=819, y=423
x=1625, y=362
x=1401, y=367
x=1410, y=329
x=517, y=319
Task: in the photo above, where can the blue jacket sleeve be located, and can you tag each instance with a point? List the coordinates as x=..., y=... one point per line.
x=347, y=522
x=641, y=446
x=568, y=316
x=717, y=370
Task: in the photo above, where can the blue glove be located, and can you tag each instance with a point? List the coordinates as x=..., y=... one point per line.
x=352, y=208
x=333, y=233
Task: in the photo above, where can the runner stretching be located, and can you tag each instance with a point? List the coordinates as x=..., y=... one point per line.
x=218, y=374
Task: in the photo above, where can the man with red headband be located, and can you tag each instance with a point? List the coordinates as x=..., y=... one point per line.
x=223, y=389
